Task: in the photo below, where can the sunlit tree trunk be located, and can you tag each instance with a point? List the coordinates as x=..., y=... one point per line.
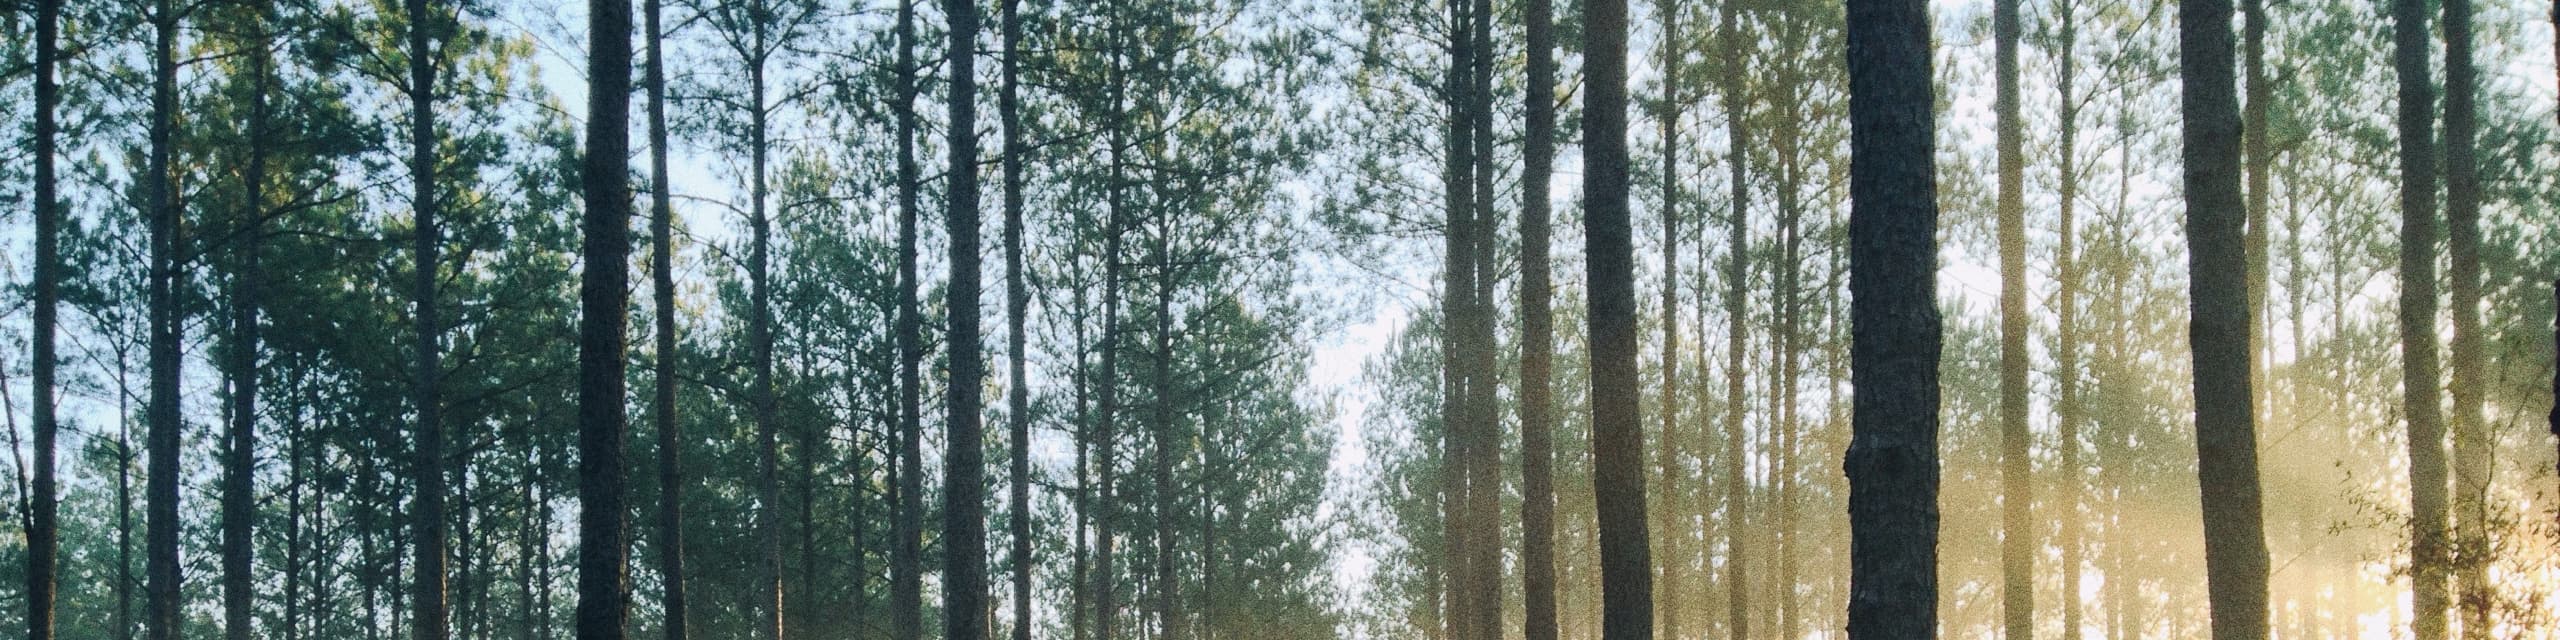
x=2068, y=413
x=1666, y=465
x=1892, y=462
x=2018, y=546
x=2226, y=440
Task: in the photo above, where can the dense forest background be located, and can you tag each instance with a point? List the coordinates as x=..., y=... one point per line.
x=1237, y=225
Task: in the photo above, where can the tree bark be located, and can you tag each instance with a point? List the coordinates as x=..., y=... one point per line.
x=906, y=563
x=662, y=281
x=964, y=467
x=239, y=480
x=2067, y=411
x=163, y=613
x=604, y=549
x=1537, y=332
x=1626, y=574
x=2471, y=443
x=2226, y=440
x=1457, y=287
x=2419, y=384
x=1017, y=304
x=1666, y=464
x=2018, y=545
x=43, y=527
x=427, y=466
x=1892, y=463
x=1737, y=336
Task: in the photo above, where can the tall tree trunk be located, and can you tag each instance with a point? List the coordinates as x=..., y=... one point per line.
x=906, y=560
x=760, y=339
x=662, y=283
x=1666, y=464
x=1892, y=462
x=603, y=549
x=1160, y=430
x=1484, y=455
x=1737, y=336
x=1017, y=302
x=160, y=497
x=2419, y=384
x=964, y=467
x=1537, y=333
x=1626, y=573
x=1456, y=289
x=2471, y=443
x=2256, y=154
x=2066, y=356
x=2018, y=545
x=427, y=466
x=239, y=479
x=1105, y=572
x=2226, y=439
x=43, y=528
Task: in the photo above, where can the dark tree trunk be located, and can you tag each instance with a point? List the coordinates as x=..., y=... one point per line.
x=2017, y=497
x=239, y=477
x=603, y=549
x=662, y=282
x=1017, y=302
x=964, y=467
x=1537, y=333
x=1105, y=570
x=760, y=339
x=1484, y=455
x=906, y=560
x=1737, y=336
x=2419, y=384
x=2471, y=443
x=2226, y=440
x=2066, y=356
x=163, y=613
x=1892, y=463
x=427, y=515
x=42, y=527
x=1456, y=288
x=1626, y=573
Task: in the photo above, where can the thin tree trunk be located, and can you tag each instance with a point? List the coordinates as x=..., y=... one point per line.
x=1484, y=455
x=2419, y=384
x=1737, y=339
x=906, y=566
x=1017, y=303
x=2018, y=546
x=1160, y=430
x=2471, y=443
x=674, y=615
x=1457, y=287
x=1105, y=571
x=2067, y=411
x=604, y=550
x=2226, y=439
x=1626, y=573
x=43, y=529
x=1892, y=463
x=760, y=342
x=1537, y=333
x=1666, y=464
x=239, y=501
x=427, y=464
x=160, y=495
x=964, y=467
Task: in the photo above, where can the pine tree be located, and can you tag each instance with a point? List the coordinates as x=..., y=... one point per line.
x=604, y=548
x=1892, y=462
x=1017, y=300
x=1537, y=332
x=163, y=615
x=2419, y=383
x=673, y=607
x=43, y=524
x=964, y=517
x=427, y=462
x=2218, y=324
x=2018, y=546
x=1617, y=443
x=2471, y=444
